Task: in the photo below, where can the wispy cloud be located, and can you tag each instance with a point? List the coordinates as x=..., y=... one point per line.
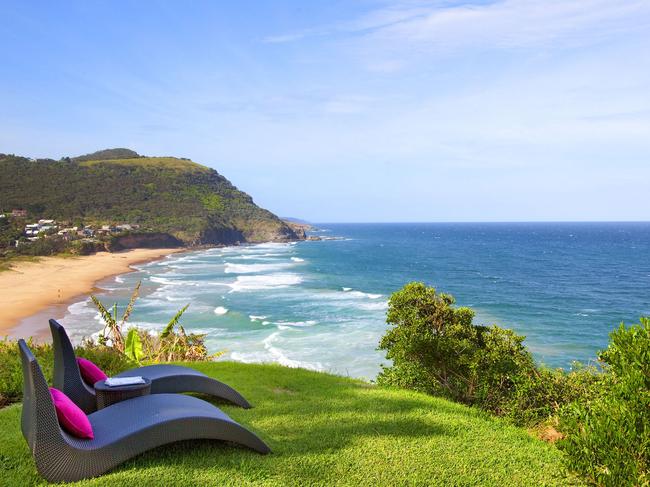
x=284, y=38
x=442, y=27
x=514, y=23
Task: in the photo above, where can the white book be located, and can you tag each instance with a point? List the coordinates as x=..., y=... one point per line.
x=123, y=381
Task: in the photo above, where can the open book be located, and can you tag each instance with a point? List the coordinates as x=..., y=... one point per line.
x=123, y=381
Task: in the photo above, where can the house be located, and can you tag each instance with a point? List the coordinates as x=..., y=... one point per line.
x=32, y=229
x=125, y=227
x=18, y=213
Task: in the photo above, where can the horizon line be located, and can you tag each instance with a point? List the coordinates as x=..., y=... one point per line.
x=470, y=222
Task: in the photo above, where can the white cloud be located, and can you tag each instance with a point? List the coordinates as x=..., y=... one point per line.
x=501, y=25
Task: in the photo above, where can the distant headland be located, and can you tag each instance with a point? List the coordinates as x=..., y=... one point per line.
x=116, y=199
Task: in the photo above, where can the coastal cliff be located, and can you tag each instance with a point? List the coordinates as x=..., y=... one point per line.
x=162, y=200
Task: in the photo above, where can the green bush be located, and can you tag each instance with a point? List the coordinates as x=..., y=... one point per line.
x=435, y=348
x=540, y=394
x=608, y=437
x=11, y=373
x=42, y=246
x=108, y=359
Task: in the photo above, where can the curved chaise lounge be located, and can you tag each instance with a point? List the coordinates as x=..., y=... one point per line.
x=164, y=378
x=121, y=431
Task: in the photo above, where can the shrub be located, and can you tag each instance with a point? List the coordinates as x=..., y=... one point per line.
x=608, y=437
x=42, y=246
x=435, y=348
x=108, y=359
x=142, y=345
x=541, y=393
x=11, y=372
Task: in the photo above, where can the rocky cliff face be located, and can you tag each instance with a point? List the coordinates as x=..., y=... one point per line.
x=144, y=240
x=300, y=229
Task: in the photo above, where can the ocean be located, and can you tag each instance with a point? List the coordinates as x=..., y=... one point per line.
x=322, y=304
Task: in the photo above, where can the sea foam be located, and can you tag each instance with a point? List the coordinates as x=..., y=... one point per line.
x=231, y=268
x=261, y=282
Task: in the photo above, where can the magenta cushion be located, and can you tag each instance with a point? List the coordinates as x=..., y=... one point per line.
x=90, y=372
x=71, y=418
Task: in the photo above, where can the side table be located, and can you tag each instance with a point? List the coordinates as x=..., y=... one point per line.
x=105, y=395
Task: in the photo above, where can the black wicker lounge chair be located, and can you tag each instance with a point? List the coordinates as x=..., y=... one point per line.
x=164, y=378
x=121, y=431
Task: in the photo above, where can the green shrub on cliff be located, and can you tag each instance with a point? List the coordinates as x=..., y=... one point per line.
x=608, y=437
x=435, y=348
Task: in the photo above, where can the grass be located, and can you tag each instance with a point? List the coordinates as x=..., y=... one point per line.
x=164, y=162
x=7, y=262
x=327, y=430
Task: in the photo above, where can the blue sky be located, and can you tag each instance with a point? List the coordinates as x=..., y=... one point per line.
x=351, y=111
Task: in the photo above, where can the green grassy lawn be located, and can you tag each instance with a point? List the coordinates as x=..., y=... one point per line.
x=327, y=430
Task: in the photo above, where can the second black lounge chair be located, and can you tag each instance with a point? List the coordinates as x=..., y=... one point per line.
x=121, y=431
x=164, y=378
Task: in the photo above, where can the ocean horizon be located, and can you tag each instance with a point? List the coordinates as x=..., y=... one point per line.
x=322, y=304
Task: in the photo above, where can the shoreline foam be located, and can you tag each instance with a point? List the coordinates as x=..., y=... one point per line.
x=28, y=289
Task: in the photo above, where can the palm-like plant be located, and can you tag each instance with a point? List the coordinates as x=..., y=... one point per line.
x=112, y=327
x=141, y=345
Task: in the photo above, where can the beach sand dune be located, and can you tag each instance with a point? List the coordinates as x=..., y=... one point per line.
x=29, y=287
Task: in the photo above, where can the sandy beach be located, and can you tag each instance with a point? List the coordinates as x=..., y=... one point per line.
x=31, y=287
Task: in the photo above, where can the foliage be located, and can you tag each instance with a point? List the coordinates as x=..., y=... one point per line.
x=608, y=437
x=11, y=229
x=435, y=348
x=142, y=345
x=11, y=374
x=112, y=328
x=326, y=431
x=133, y=347
x=42, y=246
x=169, y=328
x=541, y=393
x=85, y=247
x=107, y=154
x=178, y=197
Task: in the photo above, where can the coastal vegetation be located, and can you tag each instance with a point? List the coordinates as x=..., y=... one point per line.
x=173, y=343
x=162, y=200
x=327, y=430
x=601, y=416
x=11, y=374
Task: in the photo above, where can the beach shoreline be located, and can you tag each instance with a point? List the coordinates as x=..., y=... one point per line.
x=30, y=289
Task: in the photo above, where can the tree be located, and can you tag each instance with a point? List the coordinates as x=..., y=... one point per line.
x=435, y=348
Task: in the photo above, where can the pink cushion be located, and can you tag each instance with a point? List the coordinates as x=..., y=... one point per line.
x=71, y=418
x=90, y=372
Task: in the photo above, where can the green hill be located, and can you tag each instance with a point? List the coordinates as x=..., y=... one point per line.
x=327, y=430
x=163, y=195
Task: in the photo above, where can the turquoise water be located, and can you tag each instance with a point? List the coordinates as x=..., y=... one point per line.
x=322, y=304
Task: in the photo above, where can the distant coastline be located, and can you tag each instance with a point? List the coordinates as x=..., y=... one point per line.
x=28, y=288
